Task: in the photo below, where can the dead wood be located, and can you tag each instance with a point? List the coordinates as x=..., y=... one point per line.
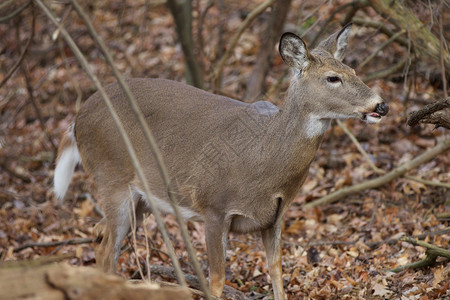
x=60, y=281
x=432, y=254
x=182, y=15
x=393, y=241
x=374, y=183
x=54, y=244
x=432, y=114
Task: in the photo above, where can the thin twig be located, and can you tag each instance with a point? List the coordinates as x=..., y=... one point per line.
x=329, y=243
x=36, y=108
x=155, y=152
x=428, y=182
x=123, y=134
x=251, y=16
x=132, y=219
x=22, y=55
x=441, y=48
x=424, y=244
x=374, y=183
x=381, y=171
x=147, y=251
x=54, y=244
x=354, y=4
x=431, y=254
x=382, y=27
x=15, y=13
x=386, y=72
x=419, y=236
x=307, y=17
x=6, y=4
x=381, y=47
x=201, y=21
x=360, y=148
x=429, y=260
x=443, y=215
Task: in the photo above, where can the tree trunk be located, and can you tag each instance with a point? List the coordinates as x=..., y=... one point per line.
x=182, y=13
x=256, y=82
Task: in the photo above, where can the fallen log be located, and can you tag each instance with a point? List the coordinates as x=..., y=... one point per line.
x=61, y=281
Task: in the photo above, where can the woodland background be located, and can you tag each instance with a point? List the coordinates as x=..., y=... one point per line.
x=344, y=248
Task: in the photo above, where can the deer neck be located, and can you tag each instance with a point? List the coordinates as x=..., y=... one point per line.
x=298, y=119
x=294, y=137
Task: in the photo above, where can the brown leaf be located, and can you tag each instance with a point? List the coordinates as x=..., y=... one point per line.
x=86, y=208
x=380, y=290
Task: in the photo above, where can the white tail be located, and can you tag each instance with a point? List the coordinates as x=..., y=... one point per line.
x=234, y=165
x=67, y=160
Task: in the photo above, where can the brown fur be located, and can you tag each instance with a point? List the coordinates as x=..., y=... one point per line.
x=236, y=165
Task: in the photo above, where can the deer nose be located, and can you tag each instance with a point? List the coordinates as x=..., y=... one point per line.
x=382, y=109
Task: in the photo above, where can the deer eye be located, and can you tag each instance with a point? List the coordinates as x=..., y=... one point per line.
x=333, y=79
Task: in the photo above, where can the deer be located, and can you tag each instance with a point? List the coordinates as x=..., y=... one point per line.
x=234, y=166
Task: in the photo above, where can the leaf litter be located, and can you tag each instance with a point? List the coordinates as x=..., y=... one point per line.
x=337, y=251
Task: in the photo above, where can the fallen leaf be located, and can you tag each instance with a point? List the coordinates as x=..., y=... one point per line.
x=438, y=276
x=380, y=290
x=86, y=208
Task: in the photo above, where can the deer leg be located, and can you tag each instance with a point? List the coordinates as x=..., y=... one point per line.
x=111, y=230
x=216, y=231
x=141, y=209
x=271, y=239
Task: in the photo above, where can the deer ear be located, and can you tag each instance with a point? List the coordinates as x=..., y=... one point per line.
x=337, y=42
x=293, y=51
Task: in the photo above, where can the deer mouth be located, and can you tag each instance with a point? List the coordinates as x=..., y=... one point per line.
x=372, y=118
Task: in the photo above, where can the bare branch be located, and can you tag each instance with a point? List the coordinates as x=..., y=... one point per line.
x=442, y=49
x=381, y=47
x=374, y=183
x=415, y=117
x=382, y=28
x=22, y=55
x=54, y=244
x=217, y=75
x=387, y=72
x=15, y=13
x=419, y=236
x=360, y=148
x=354, y=5
x=30, y=88
x=381, y=171
x=431, y=254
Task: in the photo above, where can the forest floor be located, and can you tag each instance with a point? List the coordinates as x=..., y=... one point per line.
x=343, y=250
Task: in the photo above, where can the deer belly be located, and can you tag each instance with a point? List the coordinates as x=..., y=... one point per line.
x=243, y=224
x=187, y=213
x=166, y=208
